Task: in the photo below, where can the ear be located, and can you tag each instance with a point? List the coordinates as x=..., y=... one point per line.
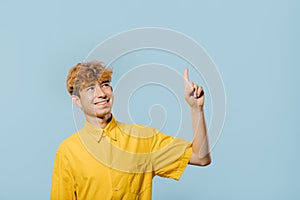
x=76, y=101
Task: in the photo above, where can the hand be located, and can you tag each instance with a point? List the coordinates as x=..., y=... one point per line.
x=194, y=94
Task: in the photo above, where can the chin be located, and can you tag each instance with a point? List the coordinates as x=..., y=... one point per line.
x=103, y=114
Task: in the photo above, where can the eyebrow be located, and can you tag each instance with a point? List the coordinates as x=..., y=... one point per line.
x=107, y=81
x=90, y=85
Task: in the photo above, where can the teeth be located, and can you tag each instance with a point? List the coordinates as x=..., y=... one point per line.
x=102, y=102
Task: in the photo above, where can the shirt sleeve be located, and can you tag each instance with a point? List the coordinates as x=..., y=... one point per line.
x=170, y=155
x=63, y=187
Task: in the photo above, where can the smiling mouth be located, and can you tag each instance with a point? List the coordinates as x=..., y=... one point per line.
x=102, y=102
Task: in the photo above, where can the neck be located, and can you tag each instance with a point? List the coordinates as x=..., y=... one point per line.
x=100, y=122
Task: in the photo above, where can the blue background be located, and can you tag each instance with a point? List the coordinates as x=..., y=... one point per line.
x=255, y=45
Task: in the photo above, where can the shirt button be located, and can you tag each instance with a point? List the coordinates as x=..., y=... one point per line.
x=116, y=188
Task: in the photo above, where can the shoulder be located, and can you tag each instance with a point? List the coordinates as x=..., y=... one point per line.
x=69, y=143
x=137, y=130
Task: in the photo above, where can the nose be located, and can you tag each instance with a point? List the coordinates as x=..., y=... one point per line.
x=99, y=92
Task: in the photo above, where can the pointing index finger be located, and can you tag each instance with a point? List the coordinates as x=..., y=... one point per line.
x=186, y=74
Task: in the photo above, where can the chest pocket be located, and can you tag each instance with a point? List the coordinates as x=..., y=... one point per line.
x=131, y=196
x=139, y=182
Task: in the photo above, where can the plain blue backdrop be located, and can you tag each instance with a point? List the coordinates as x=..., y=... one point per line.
x=255, y=45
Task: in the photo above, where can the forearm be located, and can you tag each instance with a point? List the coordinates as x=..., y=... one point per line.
x=194, y=96
x=200, y=144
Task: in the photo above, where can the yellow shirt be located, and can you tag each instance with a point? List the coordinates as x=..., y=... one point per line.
x=117, y=162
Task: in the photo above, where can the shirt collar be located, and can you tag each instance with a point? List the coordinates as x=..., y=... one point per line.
x=98, y=132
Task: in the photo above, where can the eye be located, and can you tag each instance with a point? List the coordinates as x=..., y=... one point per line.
x=90, y=88
x=105, y=85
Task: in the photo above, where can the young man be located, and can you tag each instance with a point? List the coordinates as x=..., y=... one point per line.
x=108, y=159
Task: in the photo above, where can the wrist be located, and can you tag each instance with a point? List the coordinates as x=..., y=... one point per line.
x=197, y=108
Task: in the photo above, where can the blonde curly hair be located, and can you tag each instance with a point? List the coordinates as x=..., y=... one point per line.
x=83, y=74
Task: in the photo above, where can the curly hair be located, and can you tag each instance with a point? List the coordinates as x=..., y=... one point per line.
x=83, y=74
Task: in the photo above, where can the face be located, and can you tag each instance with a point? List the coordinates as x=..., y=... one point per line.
x=95, y=100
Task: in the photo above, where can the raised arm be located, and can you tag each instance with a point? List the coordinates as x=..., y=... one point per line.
x=194, y=96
